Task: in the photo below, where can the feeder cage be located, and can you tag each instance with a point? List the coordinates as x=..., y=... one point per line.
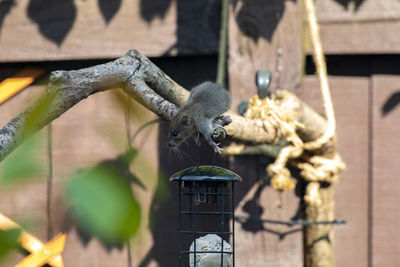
x=206, y=208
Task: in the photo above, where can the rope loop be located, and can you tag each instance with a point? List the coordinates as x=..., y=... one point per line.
x=314, y=169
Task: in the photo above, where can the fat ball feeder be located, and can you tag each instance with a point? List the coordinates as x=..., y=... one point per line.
x=206, y=192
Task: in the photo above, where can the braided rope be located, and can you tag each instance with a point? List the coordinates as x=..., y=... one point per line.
x=320, y=64
x=317, y=168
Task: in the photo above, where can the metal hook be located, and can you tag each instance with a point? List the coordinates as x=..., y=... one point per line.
x=263, y=80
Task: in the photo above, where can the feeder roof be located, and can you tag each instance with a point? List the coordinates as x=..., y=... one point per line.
x=205, y=173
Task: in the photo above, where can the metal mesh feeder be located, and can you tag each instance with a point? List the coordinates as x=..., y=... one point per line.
x=206, y=194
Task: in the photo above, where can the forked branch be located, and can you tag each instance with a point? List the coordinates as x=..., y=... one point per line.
x=146, y=83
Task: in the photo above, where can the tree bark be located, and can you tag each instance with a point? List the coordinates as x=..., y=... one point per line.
x=151, y=87
x=318, y=239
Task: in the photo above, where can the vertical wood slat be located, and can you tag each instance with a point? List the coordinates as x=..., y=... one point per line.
x=385, y=162
x=350, y=99
x=261, y=244
x=264, y=35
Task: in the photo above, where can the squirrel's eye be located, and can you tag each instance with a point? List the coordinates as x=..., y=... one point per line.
x=174, y=134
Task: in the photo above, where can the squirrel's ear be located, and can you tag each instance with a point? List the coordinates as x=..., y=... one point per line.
x=185, y=120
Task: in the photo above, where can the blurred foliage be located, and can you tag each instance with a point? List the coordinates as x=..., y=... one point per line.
x=23, y=164
x=102, y=201
x=8, y=241
x=101, y=198
x=135, y=114
x=35, y=116
x=134, y=111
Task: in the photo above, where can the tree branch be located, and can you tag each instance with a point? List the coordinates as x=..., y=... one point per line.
x=151, y=87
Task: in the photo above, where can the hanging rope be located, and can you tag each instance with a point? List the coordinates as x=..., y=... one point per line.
x=268, y=109
x=317, y=168
x=320, y=64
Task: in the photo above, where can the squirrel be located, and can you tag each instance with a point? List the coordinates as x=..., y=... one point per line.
x=201, y=113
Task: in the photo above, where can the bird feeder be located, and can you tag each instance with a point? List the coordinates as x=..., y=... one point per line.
x=206, y=195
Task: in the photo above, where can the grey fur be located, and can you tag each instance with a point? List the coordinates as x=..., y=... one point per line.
x=207, y=101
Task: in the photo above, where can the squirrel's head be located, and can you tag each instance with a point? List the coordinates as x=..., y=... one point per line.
x=180, y=128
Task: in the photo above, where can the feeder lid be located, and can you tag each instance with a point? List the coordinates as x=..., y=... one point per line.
x=205, y=173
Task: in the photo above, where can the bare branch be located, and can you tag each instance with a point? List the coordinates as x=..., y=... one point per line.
x=65, y=89
x=157, y=80
x=151, y=87
x=139, y=90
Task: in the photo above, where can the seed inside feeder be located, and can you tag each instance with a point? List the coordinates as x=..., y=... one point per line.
x=210, y=242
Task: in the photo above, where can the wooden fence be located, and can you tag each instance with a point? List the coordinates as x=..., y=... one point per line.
x=182, y=38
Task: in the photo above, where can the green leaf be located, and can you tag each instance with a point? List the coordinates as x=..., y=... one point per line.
x=103, y=203
x=23, y=163
x=8, y=241
x=37, y=113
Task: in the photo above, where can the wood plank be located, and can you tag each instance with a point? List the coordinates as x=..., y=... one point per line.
x=350, y=99
x=357, y=11
x=31, y=31
x=386, y=186
x=264, y=35
x=268, y=244
x=358, y=27
x=258, y=33
x=369, y=37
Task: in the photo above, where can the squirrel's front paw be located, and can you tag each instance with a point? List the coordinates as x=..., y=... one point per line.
x=223, y=120
x=216, y=147
x=226, y=119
